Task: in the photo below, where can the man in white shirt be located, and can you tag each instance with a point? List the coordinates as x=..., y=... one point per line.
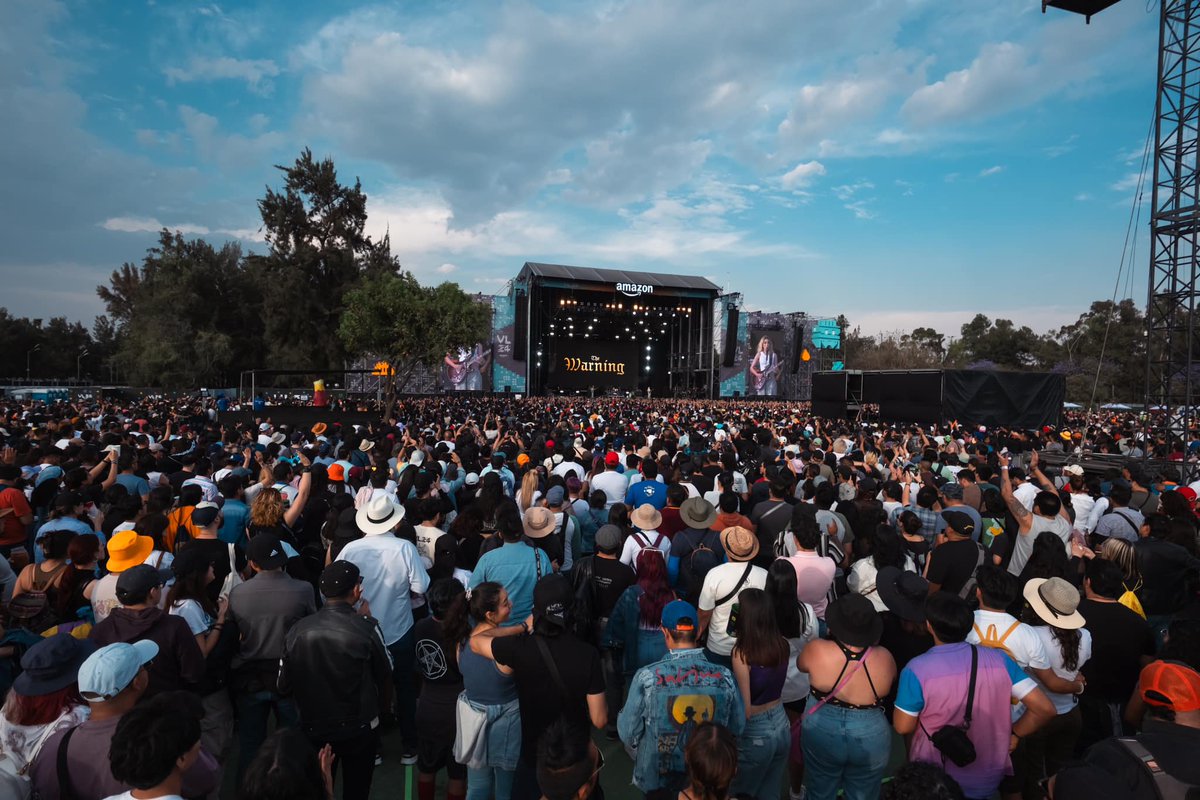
x=612, y=483
x=995, y=627
x=392, y=570
x=1023, y=488
x=646, y=520
x=718, y=596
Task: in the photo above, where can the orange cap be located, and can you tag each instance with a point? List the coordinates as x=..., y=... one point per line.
x=336, y=472
x=1171, y=684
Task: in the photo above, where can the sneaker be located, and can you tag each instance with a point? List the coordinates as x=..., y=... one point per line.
x=800, y=795
x=378, y=760
x=409, y=756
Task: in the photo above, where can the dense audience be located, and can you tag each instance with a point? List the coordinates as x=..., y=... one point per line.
x=755, y=602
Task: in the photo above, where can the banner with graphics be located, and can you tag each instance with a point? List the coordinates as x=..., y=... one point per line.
x=588, y=364
x=508, y=374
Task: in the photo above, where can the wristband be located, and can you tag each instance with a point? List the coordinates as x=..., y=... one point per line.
x=1005, y=469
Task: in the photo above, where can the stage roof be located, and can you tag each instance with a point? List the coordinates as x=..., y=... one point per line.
x=664, y=279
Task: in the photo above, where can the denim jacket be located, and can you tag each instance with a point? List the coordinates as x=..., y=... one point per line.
x=667, y=700
x=639, y=647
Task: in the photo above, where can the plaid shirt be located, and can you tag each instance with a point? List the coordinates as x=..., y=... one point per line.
x=931, y=521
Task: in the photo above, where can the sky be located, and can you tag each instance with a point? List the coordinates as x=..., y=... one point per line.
x=904, y=162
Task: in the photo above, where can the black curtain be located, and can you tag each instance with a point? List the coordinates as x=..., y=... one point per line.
x=1015, y=399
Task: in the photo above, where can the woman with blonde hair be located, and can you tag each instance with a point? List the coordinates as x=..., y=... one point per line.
x=764, y=367
x=529, y=493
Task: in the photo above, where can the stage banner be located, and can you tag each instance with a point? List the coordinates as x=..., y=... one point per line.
x=508, y=374
x=733, y=379
x=593, y=365
x=992, y=398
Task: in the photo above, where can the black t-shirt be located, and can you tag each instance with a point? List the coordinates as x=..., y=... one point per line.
x=218, y=551
x=901, y=643
x=769, y=518
x=610, y=579
x=951, y=564
x=1119, y=639
x=437, y=662
x=541, y=701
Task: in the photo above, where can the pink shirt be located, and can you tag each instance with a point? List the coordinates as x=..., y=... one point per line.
x=814, y=576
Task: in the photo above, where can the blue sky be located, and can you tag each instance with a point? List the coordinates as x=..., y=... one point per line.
x=905, y=162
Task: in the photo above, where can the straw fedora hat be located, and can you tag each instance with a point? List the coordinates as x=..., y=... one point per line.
x=1055, y=601
x=646, y=517
x=739, y=543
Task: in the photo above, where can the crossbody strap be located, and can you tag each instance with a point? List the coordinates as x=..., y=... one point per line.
x=550, y=665
x=971, y=686
x=1167, y=786
x=853, y=668
x=737, y=588
x=65, y=792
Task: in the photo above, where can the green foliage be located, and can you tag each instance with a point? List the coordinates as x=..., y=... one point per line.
x=319, y=251
x=393, y=317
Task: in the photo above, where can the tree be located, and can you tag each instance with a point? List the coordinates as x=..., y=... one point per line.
x=190, y=317
x=999, y=342
x=394, y=318
x=319, y=252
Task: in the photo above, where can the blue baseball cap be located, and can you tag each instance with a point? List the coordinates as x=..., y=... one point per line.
x=679, y=615
x=109, y=671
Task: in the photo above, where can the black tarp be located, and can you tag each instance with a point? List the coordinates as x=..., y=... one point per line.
x=1014, y=399
x=905, y=396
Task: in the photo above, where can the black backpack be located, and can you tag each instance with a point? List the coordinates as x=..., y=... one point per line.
x=696, y=565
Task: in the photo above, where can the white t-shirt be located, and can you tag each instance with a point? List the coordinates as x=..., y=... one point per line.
x=1023, y=643
x=1063, y=702
x=796, y=685
x=613, y=484
x=104, y=596
x=426, y=538
x=639, y=541
x=719, y=582
x=194, y=615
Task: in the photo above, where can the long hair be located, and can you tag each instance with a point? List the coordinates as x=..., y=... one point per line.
x=1048, y=558
x=619, y=515
x=83, y=550
x=791, y=616
x=267, y=509
x=1121, y=553
x=40, y=709
x=758, y=638
x=192, y=586
x=285, y=768
x=656, y=591
x=491, y=494
x=484, y=600
x=887, y=550
x=529, y=485
x=711, y=756
x=1068, y=640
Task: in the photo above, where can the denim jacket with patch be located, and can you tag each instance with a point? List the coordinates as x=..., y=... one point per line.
x=667, y=700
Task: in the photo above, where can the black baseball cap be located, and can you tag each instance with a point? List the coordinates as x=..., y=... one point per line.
x=552, y=599
x=135, y=583
x=339, y=578
x=266, y=551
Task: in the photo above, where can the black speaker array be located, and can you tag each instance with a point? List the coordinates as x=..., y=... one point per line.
x=520, y=326
x=731, y=331
x=797, y=347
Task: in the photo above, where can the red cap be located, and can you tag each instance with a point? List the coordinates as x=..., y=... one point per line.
x=612, y=459
x=1171, y=684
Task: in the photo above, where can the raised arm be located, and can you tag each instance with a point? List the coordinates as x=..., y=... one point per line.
x=1015, y=507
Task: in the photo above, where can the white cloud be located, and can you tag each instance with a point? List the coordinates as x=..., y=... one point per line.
x=1129, y=181
x=152, y=225
x=989, y=171
x=1083, y=197
x=849, y=190
x=447, y=268
x=255, y=72
x=860, y=209
x=802, y=175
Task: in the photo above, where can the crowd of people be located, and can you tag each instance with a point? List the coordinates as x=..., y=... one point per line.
x=749, y=601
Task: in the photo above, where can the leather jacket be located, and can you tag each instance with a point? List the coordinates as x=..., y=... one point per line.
x=337, y=669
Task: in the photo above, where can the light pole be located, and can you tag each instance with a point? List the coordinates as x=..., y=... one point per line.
x=29, y=363
x=83, y=351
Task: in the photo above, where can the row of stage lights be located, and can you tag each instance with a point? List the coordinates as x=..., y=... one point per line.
x=568, y=328
x=636, y=308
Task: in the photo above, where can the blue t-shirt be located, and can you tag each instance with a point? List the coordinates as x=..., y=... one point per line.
x=236, y=516
x=516, y=566
x=911, y=698
x=643, y=492
x=136, y=485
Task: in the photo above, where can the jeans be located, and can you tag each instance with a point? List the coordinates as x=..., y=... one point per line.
x=484, y=784
x=404, y=656
x=847, y=749
x=724, y=661
x=253, y=709
x=762, y=755
x=355, y=761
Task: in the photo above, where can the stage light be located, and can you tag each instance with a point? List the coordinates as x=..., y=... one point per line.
x=647, y=347
x=539, y=352
x=627, y=330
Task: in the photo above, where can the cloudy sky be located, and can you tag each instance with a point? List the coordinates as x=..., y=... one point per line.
x=905, y=162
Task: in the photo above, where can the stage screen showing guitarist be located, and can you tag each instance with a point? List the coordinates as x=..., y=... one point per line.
x=593, y=365
x=766, y=362
x=468, y=369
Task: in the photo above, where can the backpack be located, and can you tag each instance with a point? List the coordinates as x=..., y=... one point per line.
x=996, y=642
x=1166, y=786
x=644, y=544
x=700, y=560
x=584, y=609
x=33, y=610
x=1130, y=600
